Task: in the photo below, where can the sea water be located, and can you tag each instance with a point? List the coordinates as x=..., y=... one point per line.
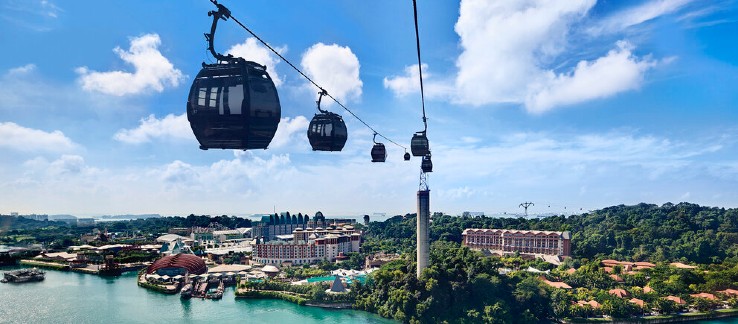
x=70, y=297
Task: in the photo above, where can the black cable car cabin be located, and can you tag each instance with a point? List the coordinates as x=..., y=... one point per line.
x=426, y=165
x=407, y=156
x=419, y=144
x=233, y=105
x=379, y=153
x=327, y=131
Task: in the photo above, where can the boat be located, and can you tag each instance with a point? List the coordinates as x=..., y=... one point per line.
x=217, y=294
x=23, y=275
x=186, y=292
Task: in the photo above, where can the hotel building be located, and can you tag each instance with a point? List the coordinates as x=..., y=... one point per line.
x=523, y=241
x=307, y=246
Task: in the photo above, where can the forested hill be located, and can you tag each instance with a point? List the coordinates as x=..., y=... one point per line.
x=643, y=232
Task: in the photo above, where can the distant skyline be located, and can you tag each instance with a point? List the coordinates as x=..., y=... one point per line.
x=580, y=104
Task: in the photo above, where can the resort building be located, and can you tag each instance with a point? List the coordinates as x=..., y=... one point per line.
x=308, y=246
x=175, y=247
x=275, y=226
x=506, y=241
x=272, y=225
x=232, y=235
x=201, y=235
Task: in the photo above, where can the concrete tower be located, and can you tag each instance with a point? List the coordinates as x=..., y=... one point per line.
x=423, y=221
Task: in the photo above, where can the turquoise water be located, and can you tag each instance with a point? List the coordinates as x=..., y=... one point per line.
x=69, y=297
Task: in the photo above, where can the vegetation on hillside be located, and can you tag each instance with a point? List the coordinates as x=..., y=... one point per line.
x=460, y=286
x=642, y=232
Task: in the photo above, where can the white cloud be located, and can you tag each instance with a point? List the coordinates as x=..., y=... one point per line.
x=178, y=171
x=67, y=167
x=457, y=193
x=170, y=127
x=39, y=16
x=49, y=9
x=406, y=84
x=637, y=15
x=252, y=50
x=67, y=164
x=530, y=159
x=290, y=130
x=504, y=42
x=616, y=72
x=507, y=48
x=243, y=173
x=402, y=85
x=19, y=138
x=335, y=68
x=152, y=71
x=21, y=70
x=473, y=176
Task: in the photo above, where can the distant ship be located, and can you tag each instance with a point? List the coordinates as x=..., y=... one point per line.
x=23, y=275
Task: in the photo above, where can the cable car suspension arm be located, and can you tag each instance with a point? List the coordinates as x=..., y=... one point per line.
x=320, y=97
x=222, y=13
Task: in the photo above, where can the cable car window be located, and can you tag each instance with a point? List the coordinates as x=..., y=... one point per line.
x=340, y=132
x=221, y=105
x=327, y=129
x=201, y=97
x=235, y=98
x=214, y=97
x=263, y=94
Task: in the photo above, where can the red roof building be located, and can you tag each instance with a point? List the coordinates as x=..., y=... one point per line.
x=676, y=299
x=555, y=284
x=593, y=303
x=178, y=264
x=619, y=292
x=705, y=296
x=638, y=302
x=732, y=292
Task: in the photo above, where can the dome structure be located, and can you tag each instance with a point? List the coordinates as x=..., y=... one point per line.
x=182, y=263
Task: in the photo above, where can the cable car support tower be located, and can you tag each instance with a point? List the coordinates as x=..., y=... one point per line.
x=419, y=147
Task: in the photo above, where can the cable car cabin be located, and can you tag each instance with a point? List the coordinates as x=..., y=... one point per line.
x=327, y=132
x=419, y=144
x=379, y=153
x=407, y=156
x=233, y=105
x=426, y=165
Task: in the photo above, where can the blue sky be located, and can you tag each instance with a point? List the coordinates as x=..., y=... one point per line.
x=573, y=105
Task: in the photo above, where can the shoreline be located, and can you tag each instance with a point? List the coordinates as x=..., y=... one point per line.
x=257, y=294
x=129, y=267
x=676, y=318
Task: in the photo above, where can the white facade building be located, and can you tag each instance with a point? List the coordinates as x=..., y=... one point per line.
x=308, y=246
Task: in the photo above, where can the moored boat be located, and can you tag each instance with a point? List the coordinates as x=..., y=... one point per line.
x=186, y=292
x=23, y=275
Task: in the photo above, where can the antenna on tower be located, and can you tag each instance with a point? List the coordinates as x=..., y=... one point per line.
x=526, y=205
